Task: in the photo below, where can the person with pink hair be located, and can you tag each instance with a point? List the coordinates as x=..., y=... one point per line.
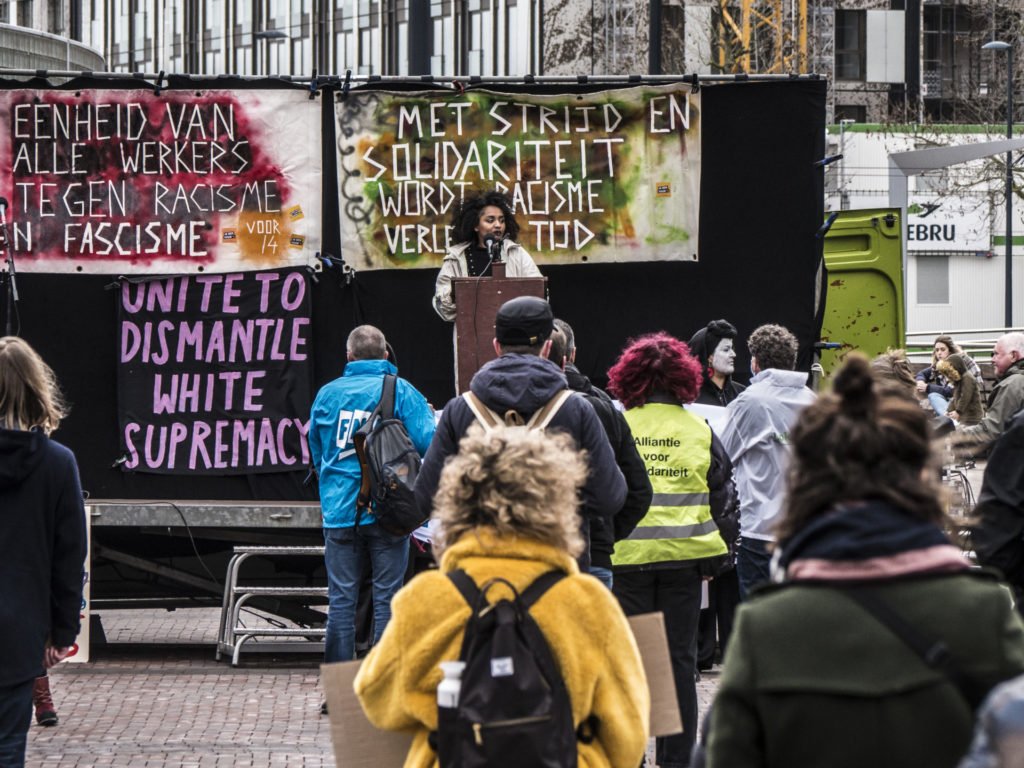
x=694, y=514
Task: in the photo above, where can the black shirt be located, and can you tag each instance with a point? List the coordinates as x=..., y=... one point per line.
x=477, y=261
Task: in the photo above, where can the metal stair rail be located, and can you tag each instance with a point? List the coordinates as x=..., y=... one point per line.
x=233, y=635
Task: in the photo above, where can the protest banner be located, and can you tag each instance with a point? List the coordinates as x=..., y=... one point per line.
x=126, y=181
x=214, y=373
x=600, y=176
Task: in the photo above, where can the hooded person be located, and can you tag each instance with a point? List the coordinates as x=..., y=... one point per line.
x=42, y=543
x=965, y=405
x=713, y=346
x=521, y=381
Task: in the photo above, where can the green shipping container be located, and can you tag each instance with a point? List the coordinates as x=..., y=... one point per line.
x=864, y=304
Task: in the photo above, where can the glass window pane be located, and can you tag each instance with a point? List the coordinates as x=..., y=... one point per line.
x=932, y=279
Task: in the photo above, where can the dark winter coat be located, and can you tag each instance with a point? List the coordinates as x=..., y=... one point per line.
x=998, y=533
x=525, y=383
x=966, y=400
x=711, y=394
x=605, y=530
x=811, y=679
x=42, y=551
x=936, y=382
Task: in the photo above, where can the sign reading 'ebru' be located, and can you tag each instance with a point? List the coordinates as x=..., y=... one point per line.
x=935, y=224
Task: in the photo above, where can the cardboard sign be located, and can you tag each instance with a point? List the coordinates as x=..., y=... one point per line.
x=359, y=744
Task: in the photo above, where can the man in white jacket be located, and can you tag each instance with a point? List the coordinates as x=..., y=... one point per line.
x=756, y=437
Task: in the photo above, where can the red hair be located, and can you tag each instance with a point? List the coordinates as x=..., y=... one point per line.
x=656, y=362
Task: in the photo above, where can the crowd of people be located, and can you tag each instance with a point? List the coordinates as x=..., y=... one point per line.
x=798, y=538
x=825, y=507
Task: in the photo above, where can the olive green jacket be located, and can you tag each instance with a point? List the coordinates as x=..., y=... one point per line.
x=811, y=679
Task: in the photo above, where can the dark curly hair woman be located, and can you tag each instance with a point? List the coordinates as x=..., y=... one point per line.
x=475, y=218
x=660, y=565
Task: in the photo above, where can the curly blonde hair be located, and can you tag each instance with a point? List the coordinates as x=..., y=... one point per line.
x=29, y=395
x=516, y=481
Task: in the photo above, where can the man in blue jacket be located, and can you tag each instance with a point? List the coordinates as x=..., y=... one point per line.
x=340, y=408
x=522, y=379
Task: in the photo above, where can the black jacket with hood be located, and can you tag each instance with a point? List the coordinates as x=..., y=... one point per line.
x=525, y=383
x=605, y=530
x=42, y=551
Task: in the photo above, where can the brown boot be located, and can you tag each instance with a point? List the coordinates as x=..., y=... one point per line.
x=45, y=713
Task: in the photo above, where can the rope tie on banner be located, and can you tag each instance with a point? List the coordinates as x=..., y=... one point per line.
x=459, y=87
x=158, y=84
x=694, y=83
x=314, y=83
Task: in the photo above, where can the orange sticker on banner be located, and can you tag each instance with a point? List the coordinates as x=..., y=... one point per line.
x=663, y=190
x=295, y=213
x=296, y=241
x=228, y=234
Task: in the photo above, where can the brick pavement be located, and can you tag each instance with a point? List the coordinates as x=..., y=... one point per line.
x=155, y=697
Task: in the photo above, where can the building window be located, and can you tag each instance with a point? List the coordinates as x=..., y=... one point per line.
x=932, y=279
x=25, y=13
x=856, y=112
x=55, y=17
x=5, y=12
x=849, y=45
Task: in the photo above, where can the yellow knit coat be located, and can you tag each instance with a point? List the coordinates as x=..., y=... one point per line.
x=581, y=620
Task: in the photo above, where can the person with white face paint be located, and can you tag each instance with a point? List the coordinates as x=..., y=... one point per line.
x=713, y=346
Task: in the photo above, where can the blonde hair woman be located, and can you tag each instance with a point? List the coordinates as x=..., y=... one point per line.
x=42, y=543
x=506, y=508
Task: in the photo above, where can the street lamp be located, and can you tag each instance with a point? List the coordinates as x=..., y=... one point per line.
x=267, y=35
x=997, y=45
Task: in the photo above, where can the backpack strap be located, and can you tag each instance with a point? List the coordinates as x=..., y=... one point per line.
x=540, y=585
x=540, y=419
x=488, y=418
x=466, y=586
x=472, y=594
x=387, y=397
x=934, y=653
x=547, y=412
x=385, y=409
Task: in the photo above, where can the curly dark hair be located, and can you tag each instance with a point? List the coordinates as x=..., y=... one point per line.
x=466, y=215
x=857, y=443
x=774, y=347
x=657, y=362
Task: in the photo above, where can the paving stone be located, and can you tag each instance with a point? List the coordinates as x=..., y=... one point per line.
x=154, y=697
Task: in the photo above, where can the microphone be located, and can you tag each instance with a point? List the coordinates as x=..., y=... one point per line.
x=489, y=240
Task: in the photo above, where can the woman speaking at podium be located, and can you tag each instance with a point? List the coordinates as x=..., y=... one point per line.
x=485, y=232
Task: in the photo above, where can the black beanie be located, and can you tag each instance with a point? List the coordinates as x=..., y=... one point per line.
x=703, y=342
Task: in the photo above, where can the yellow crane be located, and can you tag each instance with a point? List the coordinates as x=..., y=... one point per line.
x=766, y=36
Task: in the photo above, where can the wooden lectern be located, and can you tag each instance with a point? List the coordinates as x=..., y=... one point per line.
x=477, y=300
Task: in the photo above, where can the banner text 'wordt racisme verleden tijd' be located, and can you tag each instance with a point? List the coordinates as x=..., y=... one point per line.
x=603, y=176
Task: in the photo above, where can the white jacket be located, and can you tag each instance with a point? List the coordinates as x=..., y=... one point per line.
x=756, y=437
x=518, y=264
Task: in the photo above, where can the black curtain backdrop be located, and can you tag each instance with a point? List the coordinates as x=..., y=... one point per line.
x=761, y=204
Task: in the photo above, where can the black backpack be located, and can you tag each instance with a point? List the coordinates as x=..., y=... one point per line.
x=513, y=709
x=389, y=463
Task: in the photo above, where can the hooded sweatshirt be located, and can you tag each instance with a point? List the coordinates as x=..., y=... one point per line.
x=966, y=400
x=525, y=383
x=42, y=551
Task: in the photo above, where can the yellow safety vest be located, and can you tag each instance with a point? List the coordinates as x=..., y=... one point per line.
x=675, y=445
